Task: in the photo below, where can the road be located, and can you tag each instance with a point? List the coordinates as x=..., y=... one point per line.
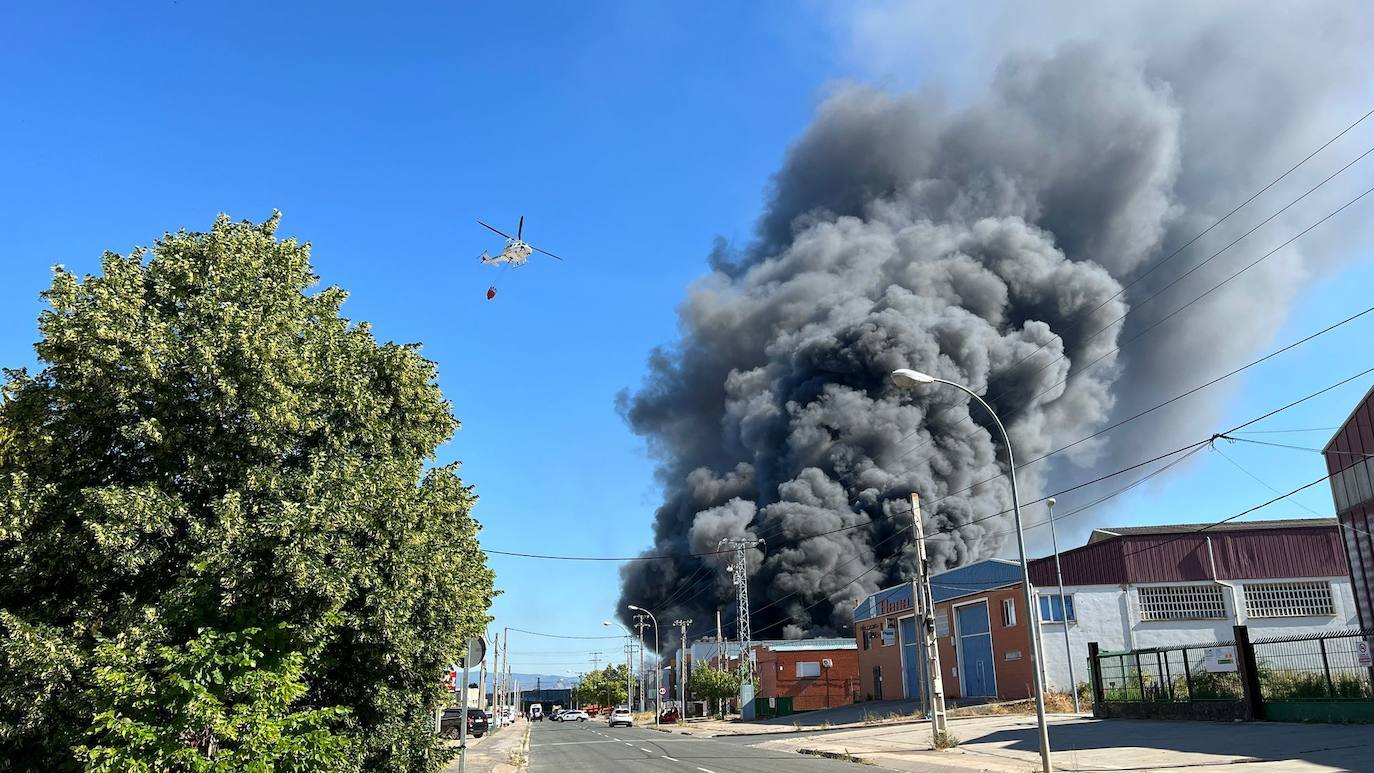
x=574, y=747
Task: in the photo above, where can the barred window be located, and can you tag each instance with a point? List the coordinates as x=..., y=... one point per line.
x=1289, y=599
x=1181, y=602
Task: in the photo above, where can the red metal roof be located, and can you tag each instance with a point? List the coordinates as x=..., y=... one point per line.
x=1283, y=551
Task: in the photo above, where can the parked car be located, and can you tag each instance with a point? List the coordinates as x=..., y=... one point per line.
x=573, y=715
x=554, y=717
x=536, y=713
x=492, y=724
x=620, y=716
x=670, y=714
x=477, y=723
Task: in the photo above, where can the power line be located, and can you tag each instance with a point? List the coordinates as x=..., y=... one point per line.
x=1258, y=480
x=1180, y=249
x=560, y=636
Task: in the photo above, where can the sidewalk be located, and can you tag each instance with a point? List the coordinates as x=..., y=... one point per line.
x=505, y=751
x=1008, y=744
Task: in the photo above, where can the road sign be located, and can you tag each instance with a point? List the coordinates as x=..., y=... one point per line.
x=1365, y=656
x=663, y=691
x=477, y=652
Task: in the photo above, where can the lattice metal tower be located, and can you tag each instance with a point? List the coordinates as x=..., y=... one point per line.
x=739, y=568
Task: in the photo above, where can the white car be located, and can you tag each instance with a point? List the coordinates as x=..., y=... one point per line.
x=621, y=716
x=573, y=715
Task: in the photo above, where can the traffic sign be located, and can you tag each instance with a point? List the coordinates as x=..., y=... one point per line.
x=477, y=652
x=1362, y=649
x=663, y=691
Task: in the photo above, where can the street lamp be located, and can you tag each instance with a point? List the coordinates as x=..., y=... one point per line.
x=629, y=637
x=658, y=672
x=908, y=379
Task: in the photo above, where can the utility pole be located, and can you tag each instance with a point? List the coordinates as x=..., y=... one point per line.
x=923, y=604
x=629, y=685
x=641, y=622
x=740, y=569
x=682, y=669
x=1034, y=617
x=720, y=643
x=482, y=688
x=495, y=676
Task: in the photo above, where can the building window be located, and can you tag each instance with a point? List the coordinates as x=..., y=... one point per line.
x=1181, y=602
x=1008, y=612
x=889, y=634
x=1052, y=610
x=1289, y=599
x=808, y=668
x=867, y=636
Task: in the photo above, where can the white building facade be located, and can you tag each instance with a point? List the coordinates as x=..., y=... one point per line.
x=1163, y=586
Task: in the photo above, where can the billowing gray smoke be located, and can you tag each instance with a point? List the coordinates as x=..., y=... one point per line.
x=985, y=245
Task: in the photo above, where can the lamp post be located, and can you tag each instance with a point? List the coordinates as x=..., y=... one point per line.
x=629, y=637
x=658, y=672
x=906, y=378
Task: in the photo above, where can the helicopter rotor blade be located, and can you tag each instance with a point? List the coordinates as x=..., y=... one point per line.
x=546, y=252
x=489, y=228
x=520, y=229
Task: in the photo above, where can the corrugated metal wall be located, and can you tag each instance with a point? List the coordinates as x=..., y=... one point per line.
x=1352, y=486
x=1315, y=551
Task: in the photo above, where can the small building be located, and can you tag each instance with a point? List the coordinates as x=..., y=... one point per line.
x=547, y=698
x=807, y=674
x=1348, y=460
x=980, y=626
x=1155, y=586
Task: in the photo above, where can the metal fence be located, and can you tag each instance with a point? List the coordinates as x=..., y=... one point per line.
x=1325, y=677
x=1313, y=667
x=1166, y=674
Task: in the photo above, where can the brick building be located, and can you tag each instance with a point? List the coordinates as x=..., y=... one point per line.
x=981, y=630
x=814, y=673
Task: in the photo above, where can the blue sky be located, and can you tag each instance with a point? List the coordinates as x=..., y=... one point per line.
x=629, y=134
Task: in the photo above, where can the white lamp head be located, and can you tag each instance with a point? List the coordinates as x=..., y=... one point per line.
x=906, y=378
x=1051, y=501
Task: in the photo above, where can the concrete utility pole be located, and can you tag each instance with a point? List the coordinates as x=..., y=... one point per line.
x=740, y=569
x=641, y=622
x=1063, y=608
x=682, y=669
x=658, y=663
x=923, y=605
x=720, y=643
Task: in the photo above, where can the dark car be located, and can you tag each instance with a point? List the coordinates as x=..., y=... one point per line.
x=477, y=723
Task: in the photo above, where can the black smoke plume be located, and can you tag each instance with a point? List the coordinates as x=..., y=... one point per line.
x=985, y=245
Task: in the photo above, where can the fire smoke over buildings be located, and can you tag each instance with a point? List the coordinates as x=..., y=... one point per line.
x=985, y=244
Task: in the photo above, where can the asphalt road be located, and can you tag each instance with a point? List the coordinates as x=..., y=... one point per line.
x=575, y=747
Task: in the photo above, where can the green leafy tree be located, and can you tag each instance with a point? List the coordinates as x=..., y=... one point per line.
x=714, y=684
x=209, y=445
x=225, y=702
x=606, y=687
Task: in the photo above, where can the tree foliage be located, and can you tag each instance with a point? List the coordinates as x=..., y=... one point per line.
x=224, y=703
x=714, y=684
x=606, y=687
x=208, y=446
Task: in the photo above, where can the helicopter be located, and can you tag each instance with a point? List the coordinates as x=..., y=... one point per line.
x=515, y=253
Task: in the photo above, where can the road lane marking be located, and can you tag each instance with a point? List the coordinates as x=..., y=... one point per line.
x=704, y=770
x=670, y=759
x=646, y=751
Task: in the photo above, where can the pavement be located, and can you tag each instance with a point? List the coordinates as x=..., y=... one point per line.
x=1008, y=744
x=557, y=747
x=495, y=752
